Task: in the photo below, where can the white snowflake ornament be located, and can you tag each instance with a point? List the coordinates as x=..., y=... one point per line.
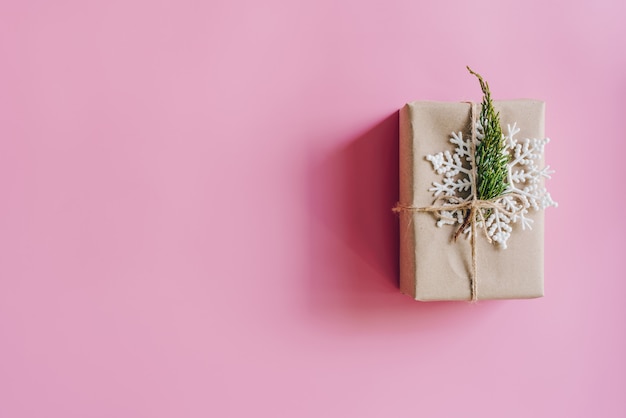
x=524, y=192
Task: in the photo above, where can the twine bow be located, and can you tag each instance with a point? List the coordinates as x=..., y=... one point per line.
x=472, y=207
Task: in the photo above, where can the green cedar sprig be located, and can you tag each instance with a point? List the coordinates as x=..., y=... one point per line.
x=490, y=160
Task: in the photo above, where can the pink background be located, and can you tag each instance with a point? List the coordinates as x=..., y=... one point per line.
x=195, y=210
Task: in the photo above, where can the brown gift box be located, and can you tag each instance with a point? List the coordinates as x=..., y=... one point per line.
x=432, y=266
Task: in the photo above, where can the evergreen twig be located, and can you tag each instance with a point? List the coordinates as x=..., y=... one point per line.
x=490, y=160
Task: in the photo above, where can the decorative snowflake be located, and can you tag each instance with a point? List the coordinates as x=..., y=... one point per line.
x=524, y=179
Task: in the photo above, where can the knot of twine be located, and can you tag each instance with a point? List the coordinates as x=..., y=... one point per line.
x=474, y=206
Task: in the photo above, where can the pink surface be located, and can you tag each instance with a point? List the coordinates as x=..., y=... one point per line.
x=195, y=210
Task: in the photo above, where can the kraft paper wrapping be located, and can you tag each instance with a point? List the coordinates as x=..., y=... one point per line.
x=432, y=266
